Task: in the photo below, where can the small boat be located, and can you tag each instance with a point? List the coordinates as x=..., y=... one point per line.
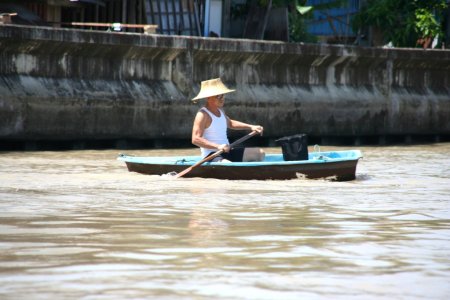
x=333, y=165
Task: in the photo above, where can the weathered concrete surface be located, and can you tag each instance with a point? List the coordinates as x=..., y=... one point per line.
x=61, y=84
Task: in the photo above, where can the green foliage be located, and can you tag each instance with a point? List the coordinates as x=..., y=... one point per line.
x=299, y=13
x=303, y=9
x=403, y=22
x=426, y=24
x=298, y=30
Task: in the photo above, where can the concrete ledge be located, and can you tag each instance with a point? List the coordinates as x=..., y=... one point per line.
x=65, y=84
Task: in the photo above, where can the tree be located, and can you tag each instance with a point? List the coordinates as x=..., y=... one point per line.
x=405, y=23
x=298, y=29
x=300, y=12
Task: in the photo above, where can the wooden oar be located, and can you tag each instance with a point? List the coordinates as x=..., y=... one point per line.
x=215, y=154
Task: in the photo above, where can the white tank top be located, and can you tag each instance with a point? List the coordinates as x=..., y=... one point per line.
x=216, y=132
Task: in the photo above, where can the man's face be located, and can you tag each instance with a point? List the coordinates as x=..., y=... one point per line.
x=220, y=100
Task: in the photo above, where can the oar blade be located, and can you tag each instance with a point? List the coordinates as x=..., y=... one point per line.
x=182, y=173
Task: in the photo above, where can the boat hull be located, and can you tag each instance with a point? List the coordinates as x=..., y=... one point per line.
x=338, y=168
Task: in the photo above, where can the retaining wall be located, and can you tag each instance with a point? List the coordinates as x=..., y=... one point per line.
x=66, y=84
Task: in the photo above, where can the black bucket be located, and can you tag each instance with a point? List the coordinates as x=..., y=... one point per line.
x=294, y=147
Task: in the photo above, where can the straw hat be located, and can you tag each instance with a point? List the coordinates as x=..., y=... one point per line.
x=212, y=87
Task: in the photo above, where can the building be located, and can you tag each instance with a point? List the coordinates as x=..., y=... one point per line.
x=207, y=18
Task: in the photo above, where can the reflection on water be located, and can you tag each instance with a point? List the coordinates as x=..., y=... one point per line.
x=77, y=225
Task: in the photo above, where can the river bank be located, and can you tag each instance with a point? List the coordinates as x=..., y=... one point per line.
x=60, y=85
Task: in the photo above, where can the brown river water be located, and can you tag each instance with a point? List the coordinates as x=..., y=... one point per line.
x=78, y=225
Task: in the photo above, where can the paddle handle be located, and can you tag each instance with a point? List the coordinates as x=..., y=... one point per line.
x=217, y=153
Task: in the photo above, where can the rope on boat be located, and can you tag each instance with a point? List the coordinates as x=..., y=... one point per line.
x=320, y=156
x=184, y=161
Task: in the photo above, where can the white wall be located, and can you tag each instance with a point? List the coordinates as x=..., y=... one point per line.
x=215, y=17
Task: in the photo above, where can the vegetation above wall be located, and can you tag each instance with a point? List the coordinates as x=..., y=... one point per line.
x=404, y=23
x=299, y=13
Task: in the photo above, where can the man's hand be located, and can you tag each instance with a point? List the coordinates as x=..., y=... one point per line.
x=259, y=129
x=224, y=147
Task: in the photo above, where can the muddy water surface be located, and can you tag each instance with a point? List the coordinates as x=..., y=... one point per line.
x=77, y=225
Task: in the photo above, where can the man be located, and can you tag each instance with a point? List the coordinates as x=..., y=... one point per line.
x=209, y=131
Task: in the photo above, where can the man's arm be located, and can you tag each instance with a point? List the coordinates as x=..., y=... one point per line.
x=238, y=125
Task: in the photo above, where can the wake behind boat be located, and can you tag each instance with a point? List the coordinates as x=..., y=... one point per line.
x=335, y=165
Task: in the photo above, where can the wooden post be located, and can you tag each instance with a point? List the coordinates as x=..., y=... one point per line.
x=132, y=14
x=226, y=21
x=189, y=13
x=166, y=6
x=161, y=26
x=141, y=12
x=174, y=17
x=124, y=11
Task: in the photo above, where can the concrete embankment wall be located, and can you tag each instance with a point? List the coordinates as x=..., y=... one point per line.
x=65, y=84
